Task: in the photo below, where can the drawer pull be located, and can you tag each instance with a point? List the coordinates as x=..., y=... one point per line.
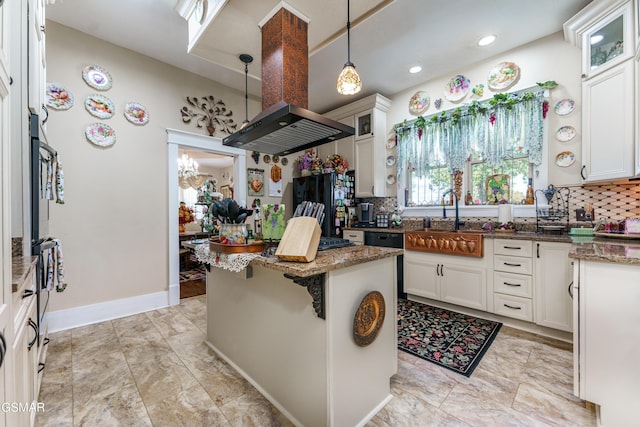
x=40, y=367
x=512, y=307
x=34, y=326
x=512, y=265
x=512, y=284
x=27, y=293
x=513, y=247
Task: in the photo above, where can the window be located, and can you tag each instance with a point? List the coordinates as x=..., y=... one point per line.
x=518, y=169
x=428, y=190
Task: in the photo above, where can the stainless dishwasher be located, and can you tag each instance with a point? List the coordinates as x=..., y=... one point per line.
x=389, y=240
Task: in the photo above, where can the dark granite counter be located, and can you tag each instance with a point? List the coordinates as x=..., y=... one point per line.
x=20, y=268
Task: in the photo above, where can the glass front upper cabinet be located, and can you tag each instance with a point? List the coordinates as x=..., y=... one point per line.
x=609, y=42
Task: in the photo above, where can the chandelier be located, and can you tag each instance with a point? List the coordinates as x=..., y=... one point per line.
x=187, y=167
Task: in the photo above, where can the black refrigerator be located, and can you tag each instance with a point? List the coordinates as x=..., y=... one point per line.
x=335, y=190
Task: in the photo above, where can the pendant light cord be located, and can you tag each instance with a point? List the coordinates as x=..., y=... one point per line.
x=246, y=91
x=348, y=34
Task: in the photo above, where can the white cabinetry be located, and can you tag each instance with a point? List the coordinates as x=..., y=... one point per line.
x=37, y=57
x=609, y=99
x=512, y=278
x=553, y=285
x=355, y=236
x=456, y=280
x=25, y=348
x=369, y=118
x=608, y=124
x=606, y=337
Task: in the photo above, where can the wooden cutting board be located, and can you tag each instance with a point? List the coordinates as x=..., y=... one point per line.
x=300, y=240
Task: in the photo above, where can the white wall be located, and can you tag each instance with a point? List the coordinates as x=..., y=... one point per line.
x=550, y=58
x=114, y=223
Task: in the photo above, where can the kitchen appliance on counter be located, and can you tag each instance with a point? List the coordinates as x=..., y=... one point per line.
x=335, y=191
x=366, y=218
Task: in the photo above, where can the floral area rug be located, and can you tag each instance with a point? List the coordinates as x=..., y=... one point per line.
x=452, y=340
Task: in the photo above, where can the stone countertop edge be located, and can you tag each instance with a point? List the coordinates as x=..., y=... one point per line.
x=329, y=260
x=619, y=252
x=20, y=268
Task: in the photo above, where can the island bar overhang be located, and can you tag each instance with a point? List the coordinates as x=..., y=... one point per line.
x=310, y=368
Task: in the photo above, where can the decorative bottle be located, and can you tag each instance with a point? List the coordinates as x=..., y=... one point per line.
x=529, y=200
x=468, y=199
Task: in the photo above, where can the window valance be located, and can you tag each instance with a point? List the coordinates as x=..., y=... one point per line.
x=506, y=126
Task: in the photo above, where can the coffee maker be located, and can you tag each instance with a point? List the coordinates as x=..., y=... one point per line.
x=365, y=215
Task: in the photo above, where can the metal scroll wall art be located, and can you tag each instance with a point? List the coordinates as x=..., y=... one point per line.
x=208, y=113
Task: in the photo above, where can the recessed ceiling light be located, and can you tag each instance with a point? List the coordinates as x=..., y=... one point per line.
x=415, y=69
x=487, y=40
x=596, y=39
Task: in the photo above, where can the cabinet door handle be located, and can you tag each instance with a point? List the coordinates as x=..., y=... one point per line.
x=27, y=293
x=582, y=172
x=512, y=265
x=3, y=348
x=512, y=307
x=512, y=284
x=35, y=338
x=513, y=247
x=40, y=367
x=569, y=290
x=538, y=250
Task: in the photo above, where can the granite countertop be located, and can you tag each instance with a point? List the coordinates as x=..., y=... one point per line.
x=20, y=268
x=329, y=260
x=607, y=250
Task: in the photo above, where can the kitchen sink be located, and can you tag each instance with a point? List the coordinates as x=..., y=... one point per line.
x=460, y=242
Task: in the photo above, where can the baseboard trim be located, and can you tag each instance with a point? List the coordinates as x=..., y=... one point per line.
x=174, y=294
x=62, y=320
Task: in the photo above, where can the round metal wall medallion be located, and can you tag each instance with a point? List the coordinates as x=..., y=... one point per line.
x=369, y=318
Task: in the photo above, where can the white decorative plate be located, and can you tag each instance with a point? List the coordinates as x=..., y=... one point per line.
x=565, y=133
x=97, y=77
x=391, y=142
x=564, y=107
x=99, y=106
x=457, y=88
x=503, y=75
x=136, y=113
x=59, y=97
x=566, y=158
x=201, y=11
x=391, y=179
x=391, y=160
x=100, y=134
x=419, y=103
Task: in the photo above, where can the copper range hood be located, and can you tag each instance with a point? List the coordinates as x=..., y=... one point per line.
x=285, y=125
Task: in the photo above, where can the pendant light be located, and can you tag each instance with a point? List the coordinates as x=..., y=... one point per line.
x=247, y=59
x=349, y=81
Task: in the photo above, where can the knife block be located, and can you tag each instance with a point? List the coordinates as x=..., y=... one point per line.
x=300, y=240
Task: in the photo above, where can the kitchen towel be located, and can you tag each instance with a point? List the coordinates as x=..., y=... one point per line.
x=59, y=181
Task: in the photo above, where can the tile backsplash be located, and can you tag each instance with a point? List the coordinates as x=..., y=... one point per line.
x=614, y=202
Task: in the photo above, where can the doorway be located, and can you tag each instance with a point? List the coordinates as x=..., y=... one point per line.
x=177, y=140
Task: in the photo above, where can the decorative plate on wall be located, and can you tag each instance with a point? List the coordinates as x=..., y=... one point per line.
x=369, y=318
x=59, y=97
x=457, y=88
x=100, y=134
x=136, y=113
x=391, y=160
x=565, y=133
x=566, y=158
x=201, y=11
x=503, y=75
x=419, y=103
x=564, y=107
x=97, y=77
x=99, y=106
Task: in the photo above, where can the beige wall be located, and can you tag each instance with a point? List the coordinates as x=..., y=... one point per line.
x=114, y=223
x=550, y=58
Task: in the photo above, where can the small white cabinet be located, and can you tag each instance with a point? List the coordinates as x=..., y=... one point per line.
x=456, y=280
x=606, y=33
x=606, y=350
x=368, y=116
x=553, y=285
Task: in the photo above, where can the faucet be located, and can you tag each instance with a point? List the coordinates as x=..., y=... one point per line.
x=457, y=222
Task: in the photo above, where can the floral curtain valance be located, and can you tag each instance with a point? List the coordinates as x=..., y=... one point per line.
x=505, y=126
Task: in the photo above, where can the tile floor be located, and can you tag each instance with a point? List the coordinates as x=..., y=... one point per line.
x=153, y=369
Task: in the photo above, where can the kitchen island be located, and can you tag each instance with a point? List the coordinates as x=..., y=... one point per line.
x=292, y=331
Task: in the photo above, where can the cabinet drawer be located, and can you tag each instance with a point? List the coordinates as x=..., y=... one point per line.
x=513, y=264
x=23, y=295
x=513, y=284
x=355, y=236
x=513, y=247
x=516, y=307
